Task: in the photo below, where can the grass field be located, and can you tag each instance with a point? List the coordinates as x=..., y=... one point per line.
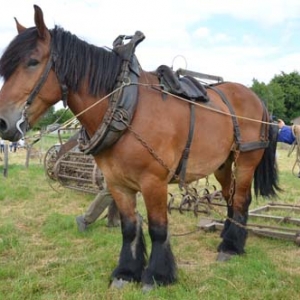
x=43, y=256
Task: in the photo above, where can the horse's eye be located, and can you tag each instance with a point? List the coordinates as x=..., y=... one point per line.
x=32, y=62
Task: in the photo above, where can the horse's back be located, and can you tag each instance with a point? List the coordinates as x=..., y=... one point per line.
x=244, y=100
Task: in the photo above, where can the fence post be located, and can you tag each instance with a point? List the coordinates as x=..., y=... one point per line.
x=5, y=168
x=28, y=151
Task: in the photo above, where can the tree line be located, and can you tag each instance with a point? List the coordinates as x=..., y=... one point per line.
x=53, y=116
x=281, y=95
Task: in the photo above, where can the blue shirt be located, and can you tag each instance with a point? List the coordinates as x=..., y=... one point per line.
x=286, y=135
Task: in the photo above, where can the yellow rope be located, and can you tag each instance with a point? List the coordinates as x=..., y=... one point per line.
x=205, y=106
x=75, y=117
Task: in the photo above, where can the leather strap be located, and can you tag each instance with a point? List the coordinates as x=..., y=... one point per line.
x=41, y=81
x=244, y=147
x=181, y=169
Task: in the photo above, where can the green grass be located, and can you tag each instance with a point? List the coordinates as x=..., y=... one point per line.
x=43, y=256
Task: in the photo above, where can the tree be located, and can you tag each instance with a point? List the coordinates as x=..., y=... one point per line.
x=273, y=97
x=290, y=85
x=51, y=116
x=47, y=119
x=276, y=101
x=63, y=115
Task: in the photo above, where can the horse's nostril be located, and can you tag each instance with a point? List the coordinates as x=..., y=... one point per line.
x=3, y=125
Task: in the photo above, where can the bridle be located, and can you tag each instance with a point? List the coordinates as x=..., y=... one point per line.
x=64, y=90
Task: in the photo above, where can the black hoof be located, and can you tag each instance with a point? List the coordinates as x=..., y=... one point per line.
x=147, y=288
x=118, y=283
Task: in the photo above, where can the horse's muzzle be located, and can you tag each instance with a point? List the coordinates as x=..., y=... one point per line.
x=11, y=133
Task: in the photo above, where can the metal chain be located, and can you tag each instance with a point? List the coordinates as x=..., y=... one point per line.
x=160, y=160
x=233, y=178
x=191, y=191
x=162, y=163
x=151, y=151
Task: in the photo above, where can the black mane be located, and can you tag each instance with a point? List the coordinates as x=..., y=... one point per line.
x=76, y=60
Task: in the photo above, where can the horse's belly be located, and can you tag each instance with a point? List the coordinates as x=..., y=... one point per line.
x=207, y=160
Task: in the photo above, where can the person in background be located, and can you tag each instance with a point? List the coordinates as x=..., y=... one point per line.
x=14, y=146
x=286, y=134
x=21, y=143
x=1, y=145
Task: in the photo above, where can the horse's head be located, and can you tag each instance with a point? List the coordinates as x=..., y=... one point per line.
x=30, y=85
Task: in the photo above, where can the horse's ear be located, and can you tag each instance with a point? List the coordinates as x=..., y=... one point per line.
x=42, y=29
x=20, y=27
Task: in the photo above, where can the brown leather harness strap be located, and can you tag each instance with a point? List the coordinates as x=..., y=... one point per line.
x=239, y=145
x=181, y=169
x=244, y=147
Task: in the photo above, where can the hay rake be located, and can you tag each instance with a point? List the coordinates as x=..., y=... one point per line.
x=67, y=166
x=198, y=200
x=273, y=220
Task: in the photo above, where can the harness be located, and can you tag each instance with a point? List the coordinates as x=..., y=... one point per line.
x=37, y=88
x=122, y=104
x=240, y=145
x=186, y=88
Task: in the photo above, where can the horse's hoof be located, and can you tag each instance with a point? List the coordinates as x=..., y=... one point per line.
x=118, y=283
x=147, y=288
x=223, y=256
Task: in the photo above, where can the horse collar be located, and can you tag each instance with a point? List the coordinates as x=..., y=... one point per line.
x=122, y=103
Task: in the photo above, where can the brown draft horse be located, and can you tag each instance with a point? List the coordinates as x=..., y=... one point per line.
x=143, y=158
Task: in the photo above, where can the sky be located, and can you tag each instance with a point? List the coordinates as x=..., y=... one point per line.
x=239, y=40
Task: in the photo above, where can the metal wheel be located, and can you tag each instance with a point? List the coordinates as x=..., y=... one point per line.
x=50, y=160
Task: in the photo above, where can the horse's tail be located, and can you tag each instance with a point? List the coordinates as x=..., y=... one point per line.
x=266, y=173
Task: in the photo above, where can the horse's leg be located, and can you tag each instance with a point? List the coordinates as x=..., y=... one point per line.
x=132, y=258
x=161, y=269
x=234, y=233
x=224, y=177
x=113, y=216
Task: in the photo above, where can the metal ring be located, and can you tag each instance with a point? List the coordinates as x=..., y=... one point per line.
x=118, y=116
x=126, y=81
x=121, y=115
